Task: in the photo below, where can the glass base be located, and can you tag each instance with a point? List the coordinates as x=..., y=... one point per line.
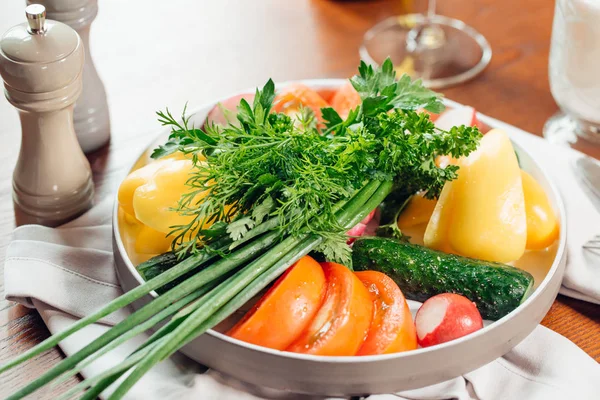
x=441, y=51
x=564, y=130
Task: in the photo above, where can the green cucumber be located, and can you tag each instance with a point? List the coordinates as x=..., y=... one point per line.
x=420, y=272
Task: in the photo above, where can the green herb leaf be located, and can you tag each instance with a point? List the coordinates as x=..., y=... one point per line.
x=217, y=229
x=380, y=92
x=413, y=95
x=336, y=250
x=263, y=209
x=267, y=96
x=170, y=147
x=238, y=228
x=331, y=117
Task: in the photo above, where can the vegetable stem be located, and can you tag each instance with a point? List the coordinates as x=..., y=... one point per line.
x=203, y=277
x=170, y=310
x=111, y=307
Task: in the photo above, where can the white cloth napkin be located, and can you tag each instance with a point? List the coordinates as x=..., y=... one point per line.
x=69, y=272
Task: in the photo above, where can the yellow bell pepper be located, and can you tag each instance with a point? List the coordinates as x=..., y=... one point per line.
x=542, y=224
x=155, y=200
x=151, y=192
x=417, y=212
x=150, y=241
x=481, y=214
x=134, y=180
x=436, y=233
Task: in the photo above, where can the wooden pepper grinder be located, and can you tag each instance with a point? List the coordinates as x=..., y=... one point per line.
x=41, y=64
x=92, y=123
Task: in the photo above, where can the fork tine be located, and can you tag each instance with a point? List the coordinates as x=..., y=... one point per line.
x=593, y=243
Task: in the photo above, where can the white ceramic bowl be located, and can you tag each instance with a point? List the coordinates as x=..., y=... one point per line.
x=343, y=376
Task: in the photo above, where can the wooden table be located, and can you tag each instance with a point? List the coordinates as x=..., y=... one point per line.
x=151, y=55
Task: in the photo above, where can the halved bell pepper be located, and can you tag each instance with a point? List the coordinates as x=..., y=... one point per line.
x=481, y=214
x=136, y=179
x=542, y=224
x=152, y=192
x=418, y=211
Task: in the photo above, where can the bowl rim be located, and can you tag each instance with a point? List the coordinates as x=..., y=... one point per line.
x=329, y=83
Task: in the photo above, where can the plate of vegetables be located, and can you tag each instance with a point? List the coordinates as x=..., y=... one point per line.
x=339, y=237
x=328, y=237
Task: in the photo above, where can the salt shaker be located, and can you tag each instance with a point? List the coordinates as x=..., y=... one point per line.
x=41, y=63
x=91, y=119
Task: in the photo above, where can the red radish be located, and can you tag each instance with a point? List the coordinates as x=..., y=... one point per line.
x=360, y=228
x=446, y=317
x=456, y=117
x=228, y=109
x=373, y=224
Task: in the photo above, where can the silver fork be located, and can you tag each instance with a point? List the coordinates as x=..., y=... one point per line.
x=593, y=243
x=588, y=171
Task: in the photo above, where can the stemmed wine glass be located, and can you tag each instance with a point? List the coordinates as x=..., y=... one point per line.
x=441, y=51
x=574, y=75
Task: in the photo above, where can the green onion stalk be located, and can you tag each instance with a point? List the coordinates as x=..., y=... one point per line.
x=195, y=305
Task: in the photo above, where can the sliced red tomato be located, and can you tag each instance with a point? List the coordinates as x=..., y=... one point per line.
x=327, y=94
x=286, y=309
x=392, y=329
x=345, y=99
x=342, y=322
x=290, y=98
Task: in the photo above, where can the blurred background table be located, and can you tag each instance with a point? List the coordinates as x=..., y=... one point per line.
x=151, y=54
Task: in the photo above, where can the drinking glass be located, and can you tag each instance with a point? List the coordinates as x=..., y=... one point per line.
x=574, y=72
x=441, y=51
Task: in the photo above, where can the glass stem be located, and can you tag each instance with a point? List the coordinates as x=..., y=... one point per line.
x=431, y=8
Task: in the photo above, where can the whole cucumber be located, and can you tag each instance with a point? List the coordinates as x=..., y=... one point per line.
x=421, y=273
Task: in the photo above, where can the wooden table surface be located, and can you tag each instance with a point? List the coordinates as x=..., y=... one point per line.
x=152, y=54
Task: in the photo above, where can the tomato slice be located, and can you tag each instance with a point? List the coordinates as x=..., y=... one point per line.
x=286, y=309
x=290, y=98
x=345, y=99
x=392, y=329
x=342, y=322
